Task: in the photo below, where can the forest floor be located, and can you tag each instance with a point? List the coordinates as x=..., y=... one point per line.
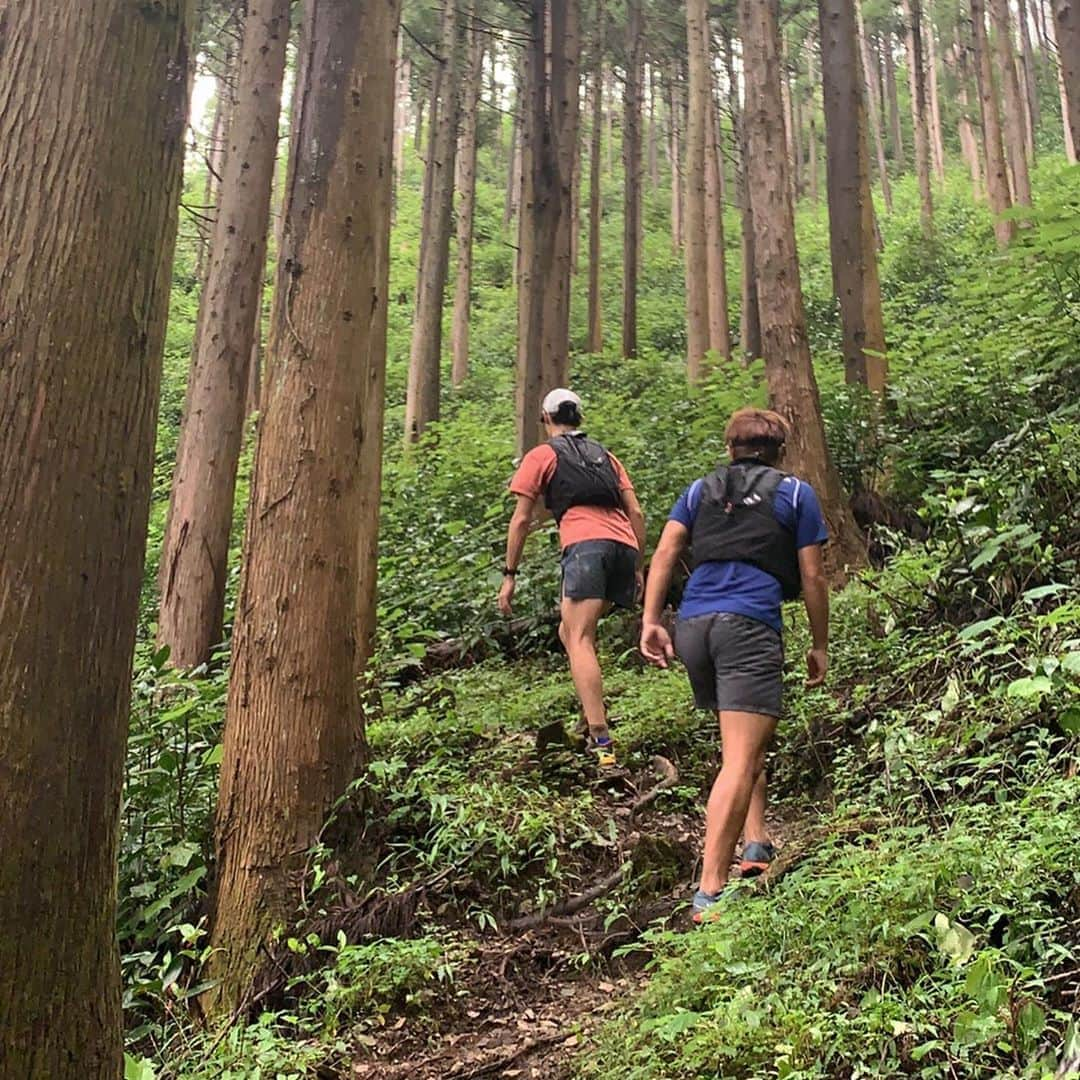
x=531, y=998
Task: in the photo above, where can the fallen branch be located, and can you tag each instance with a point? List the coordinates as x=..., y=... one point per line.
x=572, y=904
x=499, y=1063
x=670, y=777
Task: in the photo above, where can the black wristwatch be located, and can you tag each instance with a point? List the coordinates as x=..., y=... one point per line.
x=507, y=572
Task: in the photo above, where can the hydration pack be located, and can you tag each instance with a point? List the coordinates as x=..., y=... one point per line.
x=736, y=522
x=584, y=476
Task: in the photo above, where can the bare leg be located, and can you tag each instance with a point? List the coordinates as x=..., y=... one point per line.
x=745, y=736
x=755, y=827
x=578, y=633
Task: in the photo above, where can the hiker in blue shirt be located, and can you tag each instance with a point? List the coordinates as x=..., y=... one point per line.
x=756, y=536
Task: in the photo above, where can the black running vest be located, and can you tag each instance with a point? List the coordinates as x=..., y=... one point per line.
x=736, y=522
x=584, y=476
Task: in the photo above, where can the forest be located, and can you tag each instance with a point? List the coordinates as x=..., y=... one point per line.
x=283, y=286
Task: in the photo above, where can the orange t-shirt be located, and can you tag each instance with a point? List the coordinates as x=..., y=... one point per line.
x=579, y=522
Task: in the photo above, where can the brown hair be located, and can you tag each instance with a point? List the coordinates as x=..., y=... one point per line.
x=760, y=431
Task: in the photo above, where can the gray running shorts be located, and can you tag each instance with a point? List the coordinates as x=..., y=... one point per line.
x=735, y=663
x=600, y=570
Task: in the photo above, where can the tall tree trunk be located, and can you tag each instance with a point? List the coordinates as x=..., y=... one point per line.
x=790, y=373
x=215, y=154
x=697, y=271
x=513, y=173
x=548, y=143
x=294, y=727
x=895, y=126
x=1015, y=132
x=749, y=319
x=1031, y=82
x=678, y=190
x=94, y=101
x=719, y=323
x=418, y=126
x=872, y=105
x=194, y=555
x=401, y=123
x=812, y=138
x=596, y=313
x=466, y=185
x=851, y=209
x=937, y=142
x=652, y=155
x=425, y=352
x=632, y=173
x=920, y=126
x=789, y=121
x=969, y=143
x=997, y=178
x=1066, y=24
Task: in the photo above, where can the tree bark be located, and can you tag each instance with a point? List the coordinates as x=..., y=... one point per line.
x=93, y=110
x=997, y=178
x=425, y=352
x=872, y=105
x=1066, y=23
x=632, y=173
x=466, y=185
x=851, y=209
x=215, y=154
x=402, y=108
x=920, y=126
x=792, y=385
x=1015, y=128
x=1031, y=84
x=812, y=166
x=937, y=142
x=894, y=104
x=294, y=727
x=596, y=313
x=696, y=246
x=678, y=190
x=549, y=140
x=719, y=324
x=969, y=143
x=653, y=157
x=513, y=173
x=749, y=319
x=194, y=555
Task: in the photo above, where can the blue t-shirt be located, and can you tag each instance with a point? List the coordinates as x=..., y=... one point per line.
x=739, y=587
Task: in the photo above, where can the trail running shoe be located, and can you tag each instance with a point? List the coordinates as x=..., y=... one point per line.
x=604, y=749
x=756, y=857
x=703, y=905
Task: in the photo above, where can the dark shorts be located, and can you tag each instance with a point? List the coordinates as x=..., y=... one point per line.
x=735, y=663
x=600, y=570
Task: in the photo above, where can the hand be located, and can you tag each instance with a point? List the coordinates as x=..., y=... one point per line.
x=506, y=595
x=656, y=644
x=639, y=585
x=817, y=664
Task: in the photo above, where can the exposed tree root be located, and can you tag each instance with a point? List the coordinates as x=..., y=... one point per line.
x=573, y=903
x=670, y=777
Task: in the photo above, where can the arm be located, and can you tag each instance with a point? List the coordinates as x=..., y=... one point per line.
x=516, y=535
x=656, y=644
x=816, y=597
x=637, y=519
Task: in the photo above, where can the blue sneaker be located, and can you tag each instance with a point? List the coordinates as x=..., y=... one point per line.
x=703, y=903
x=756, y=858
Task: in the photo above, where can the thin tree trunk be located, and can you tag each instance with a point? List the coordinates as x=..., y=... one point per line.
x=851, y=209
x=792, y=386
x=194, y=554
x=609, y=128
x=920, y=127
x=997, y=178
x=937, y=142
x=678, y=203
x=425, y=353
x=1066, y=23
x=1015, y=133
x=749, y=319
x=894, y=104
x=418, y=127
x=93, y=101
x=969, y=143
x=513, y=174
x=653, y=156
x=596, y=314
x=294, y=727
x=697, y=272
x=1031, y=85
x=872, y=105
x=466, y=185
x=719, y=323
x=812, y=138
x=789, y=123
x=215, y=155
x=632, y=174
x=401, y=124
x=797, y=150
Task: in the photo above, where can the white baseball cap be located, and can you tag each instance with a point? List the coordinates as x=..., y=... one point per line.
x=557, y=397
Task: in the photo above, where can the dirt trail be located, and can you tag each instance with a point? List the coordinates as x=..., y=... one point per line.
x=529, y=1001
